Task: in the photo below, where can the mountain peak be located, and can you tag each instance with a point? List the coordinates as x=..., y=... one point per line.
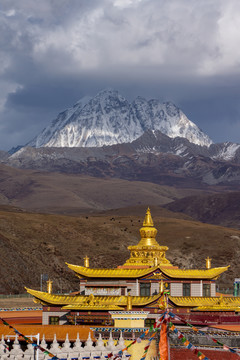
x=108, y=118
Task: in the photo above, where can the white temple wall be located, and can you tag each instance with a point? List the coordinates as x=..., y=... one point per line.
x=154, y=288
x=113, y=291
x=68, y=350
x=176, y=289
x=213, y=289
x=196, y=289
x=133, y=287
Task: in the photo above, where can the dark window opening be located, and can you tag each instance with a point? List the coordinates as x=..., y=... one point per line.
x=149, y=322
x=206, y=290
x=145, y=289
x=186, y=289
x=53, y=320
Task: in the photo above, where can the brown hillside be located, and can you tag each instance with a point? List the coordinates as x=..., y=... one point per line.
x=33, y=244
x=221, y=209
x=63, y=193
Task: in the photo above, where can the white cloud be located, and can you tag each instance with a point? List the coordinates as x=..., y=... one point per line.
x=126, y=3
x=199, y=37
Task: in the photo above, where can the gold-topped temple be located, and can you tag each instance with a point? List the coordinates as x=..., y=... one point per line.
x=145, y=275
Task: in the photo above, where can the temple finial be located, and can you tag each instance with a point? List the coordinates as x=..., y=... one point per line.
x=148, y=221
x=208, y=263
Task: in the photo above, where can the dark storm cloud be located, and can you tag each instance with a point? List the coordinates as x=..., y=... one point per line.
x=53, y=53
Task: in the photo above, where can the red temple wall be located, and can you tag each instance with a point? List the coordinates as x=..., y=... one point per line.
x=180, y=354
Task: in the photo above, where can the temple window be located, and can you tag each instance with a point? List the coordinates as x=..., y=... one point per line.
x=53, y=320
x=186, y=289
x=206, y=290
x=145, y=289
x=149, y=322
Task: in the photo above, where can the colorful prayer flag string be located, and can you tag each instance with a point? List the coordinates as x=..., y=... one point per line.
x=225, y=347
x=186, y=343
x=148, y=345
x=156, y=325
x=29, y=340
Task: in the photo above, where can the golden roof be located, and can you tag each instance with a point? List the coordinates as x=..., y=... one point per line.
x=103, y=307
x=212, y=273
x=218, y=308
x=110, y=273
x=200, y=303
x=91, y=302
x=170, y=272
x=46, y=298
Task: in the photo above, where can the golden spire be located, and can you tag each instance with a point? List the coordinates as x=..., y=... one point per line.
x=49, y=286
x=86, y=261
x=148, y=232
x=147, y=252
x=148, y=221
x=208, y=263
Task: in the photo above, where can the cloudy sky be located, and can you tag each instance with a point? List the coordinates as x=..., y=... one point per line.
x=53, y=52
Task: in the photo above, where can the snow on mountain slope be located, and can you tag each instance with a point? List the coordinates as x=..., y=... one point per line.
x=57, y=124
x=227, y=151
x=109, y=119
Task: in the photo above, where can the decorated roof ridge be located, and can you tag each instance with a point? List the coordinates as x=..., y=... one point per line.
x=211, y=273
x=200, y=301
x=111, y=273
x=90, y=300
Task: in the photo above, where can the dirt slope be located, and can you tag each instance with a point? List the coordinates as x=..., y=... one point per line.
x=62, y=193
x=221, y=209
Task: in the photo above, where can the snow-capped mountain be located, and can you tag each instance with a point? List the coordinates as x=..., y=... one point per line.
x=109, y=119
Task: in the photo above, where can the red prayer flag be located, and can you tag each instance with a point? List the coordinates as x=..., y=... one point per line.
x=163, y=343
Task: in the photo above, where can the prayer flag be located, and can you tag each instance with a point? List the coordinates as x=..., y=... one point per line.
x=163, y=343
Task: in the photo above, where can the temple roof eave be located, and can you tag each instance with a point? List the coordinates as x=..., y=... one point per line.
x=168, y=271
x=202, y=274
x=201, y=303
x=110, y=273
x=217, y=308
x=90, y=301
x=98, y=307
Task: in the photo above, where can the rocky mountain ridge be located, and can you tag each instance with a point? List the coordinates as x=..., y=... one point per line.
x=153, y=157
